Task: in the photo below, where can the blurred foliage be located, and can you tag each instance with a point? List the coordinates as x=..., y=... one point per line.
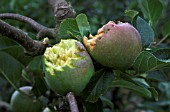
x=98, y=12
x=39, y=10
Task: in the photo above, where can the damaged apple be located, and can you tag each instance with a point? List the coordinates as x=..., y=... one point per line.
x=68, y=67
x=115, y=45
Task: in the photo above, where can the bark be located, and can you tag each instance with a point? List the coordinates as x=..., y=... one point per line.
x=32, y=47
x=62, y=10
x=42, y=30
x=72, y=102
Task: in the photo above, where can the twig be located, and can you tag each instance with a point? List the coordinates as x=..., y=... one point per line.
x=72, y=102
x=24, y=19
x=62, y=10
x=42, y=30
x=163, y=39
x=48, y=32
x=32, y=47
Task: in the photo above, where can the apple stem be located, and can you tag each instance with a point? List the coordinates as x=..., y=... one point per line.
x=72, y=102
x=163, y=39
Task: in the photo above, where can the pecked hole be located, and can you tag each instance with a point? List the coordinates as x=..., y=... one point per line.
x=99, y=38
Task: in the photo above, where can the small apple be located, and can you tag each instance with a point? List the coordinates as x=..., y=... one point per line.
x=26, y=102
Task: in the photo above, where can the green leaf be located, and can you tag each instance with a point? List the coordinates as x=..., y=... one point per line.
x=93, y=107
x=157, y=75
x=146, y=61
x=107, y=102
x=74, y=28
x=145, y=31
x=68, y=29
x=165, y=87
x=5, y=42
x=162, y=54
x=144, y=84
x=17, y=52
x=39, y=86
x=137, y=89
x=154, y=93
x=12, y=48
x=98, y=85
x=83, y=24
x=166, y=29
x=126, y=77
x=155, y=105
x=151, y=9
x=131, y=14
x=36, y=66
x=141, y=82
x=10, y=68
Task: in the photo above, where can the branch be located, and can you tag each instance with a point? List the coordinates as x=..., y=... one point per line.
x=62, y=10
x=48, y=32
x=24, y=19
x=42, y=30
x=33, y=47
x=72, y=102
x=163, y=39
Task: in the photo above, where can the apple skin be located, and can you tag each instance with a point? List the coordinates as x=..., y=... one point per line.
x=22, y=103
x=115, y=45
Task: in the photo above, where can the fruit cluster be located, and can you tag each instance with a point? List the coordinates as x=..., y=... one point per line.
x=69, y=67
